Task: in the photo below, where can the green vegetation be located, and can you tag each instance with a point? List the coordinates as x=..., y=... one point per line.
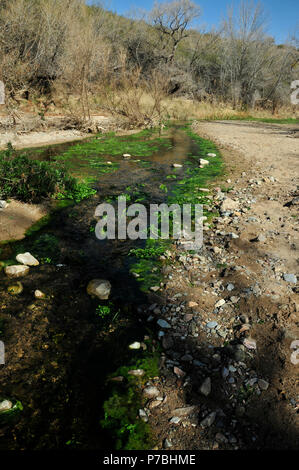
x=32, y=180
x=121, y=407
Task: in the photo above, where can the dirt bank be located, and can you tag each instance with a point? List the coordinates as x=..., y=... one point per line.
x=231, y=361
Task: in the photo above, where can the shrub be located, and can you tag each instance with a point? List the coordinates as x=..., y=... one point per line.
x=32, y=180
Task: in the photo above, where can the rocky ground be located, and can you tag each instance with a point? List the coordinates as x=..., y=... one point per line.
x=229, y=320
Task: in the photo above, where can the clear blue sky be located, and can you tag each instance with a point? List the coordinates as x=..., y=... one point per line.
x=283, y=15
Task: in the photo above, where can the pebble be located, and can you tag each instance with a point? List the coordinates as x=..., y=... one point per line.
x=212, y=324
x=136, y=372
x=3, y=204
x=16, y=271
x=155, y=288
x=263, y=384
x=38, y=294
x=5, y=405
x=151, y=392
x=27, y=259
x=290, y=278
x=249, y=343
x=143, y=415
x=175, y=420
x=206, y=386
x=135, y=345
x=261, y=238
x=186, y=411
x=167, y=444
x=177, y=165
x=220, y=303
x=230, y=287
x=208, y=420
x=99, y=288
x=163, y=323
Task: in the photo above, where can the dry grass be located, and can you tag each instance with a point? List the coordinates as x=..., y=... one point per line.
x=183, y=109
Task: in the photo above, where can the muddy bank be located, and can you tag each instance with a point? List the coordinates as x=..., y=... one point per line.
x=34, y=131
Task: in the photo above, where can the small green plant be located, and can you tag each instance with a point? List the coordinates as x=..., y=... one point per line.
x=102, y=311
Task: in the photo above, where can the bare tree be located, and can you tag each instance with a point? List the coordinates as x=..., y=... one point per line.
x=172, y=21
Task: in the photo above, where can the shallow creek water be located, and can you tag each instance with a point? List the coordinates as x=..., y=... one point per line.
x=60, y=351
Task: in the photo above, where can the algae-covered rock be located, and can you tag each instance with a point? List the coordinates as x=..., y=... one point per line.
x=15, y=289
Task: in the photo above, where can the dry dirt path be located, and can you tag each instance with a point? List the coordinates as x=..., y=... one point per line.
x=230, y=375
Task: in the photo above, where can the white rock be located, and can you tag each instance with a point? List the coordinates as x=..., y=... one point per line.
x=212, y=155
x=202, y=161
x=27, y=259
x=249, y=343
x=151, y=392
x=3, y=204
x=99, y=288
x=135, y=345
x=177, y=165
x=16, y=271
x=5, y=405
x=220, y=303
x=228, y=204
x=136, y=372
x=38, y=294
x=143, y=415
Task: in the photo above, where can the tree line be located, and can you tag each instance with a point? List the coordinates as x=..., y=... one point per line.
x=69, y=49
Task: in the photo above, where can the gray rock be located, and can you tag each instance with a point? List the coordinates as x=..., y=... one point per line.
x=230, y=287
x=175, y=420
x=208, y=420
x=136, y=372
x=206, y=386
x=163, y=323
x=261, y=238
x=290, y=278
x=99, y=288
x=211, y=325
x=167, y=444
x=143, y=415
x=263, y=384
x=225, y=372
x=186, y=411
